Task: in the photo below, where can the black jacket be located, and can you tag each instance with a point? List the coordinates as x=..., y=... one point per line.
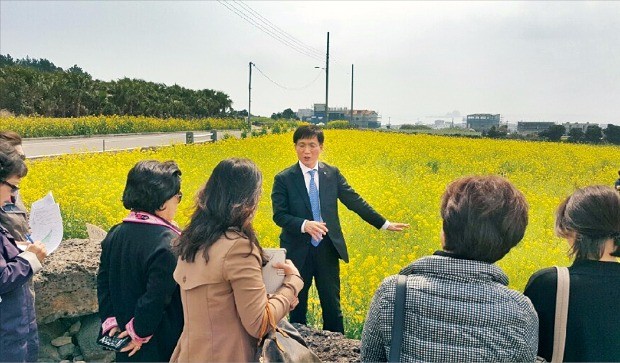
x=135, y=281
x=593, y=327
x=291, y=206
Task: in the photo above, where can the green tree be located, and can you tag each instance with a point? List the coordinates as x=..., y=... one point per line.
x=498, y=133
x=612, y=134
x=576, y=135
x=289, y=114
x=414, y=127
x=594, y=134
x=553, y=133
x=36, y=86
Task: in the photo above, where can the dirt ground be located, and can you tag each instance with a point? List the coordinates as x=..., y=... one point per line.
x=329, y=346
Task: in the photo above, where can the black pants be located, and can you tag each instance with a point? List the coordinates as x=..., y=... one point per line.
x=323, y=265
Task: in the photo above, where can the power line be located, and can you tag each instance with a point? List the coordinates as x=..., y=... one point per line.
x=247, y=17
x=279, y=30
x=285, y=87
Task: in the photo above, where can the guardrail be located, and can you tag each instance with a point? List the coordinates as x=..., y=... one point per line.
x=193, y=138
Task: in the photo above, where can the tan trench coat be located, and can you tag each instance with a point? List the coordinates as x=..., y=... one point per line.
x=224, y=301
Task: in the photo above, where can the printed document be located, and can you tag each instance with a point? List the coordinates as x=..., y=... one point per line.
x=46, y=222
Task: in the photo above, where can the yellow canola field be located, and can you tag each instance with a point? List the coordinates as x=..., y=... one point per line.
x=402, y=176
x=97, y=125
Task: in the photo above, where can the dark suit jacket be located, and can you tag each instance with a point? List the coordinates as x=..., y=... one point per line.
x=291, y=206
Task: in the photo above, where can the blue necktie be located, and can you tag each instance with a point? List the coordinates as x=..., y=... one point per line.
x=313, y=192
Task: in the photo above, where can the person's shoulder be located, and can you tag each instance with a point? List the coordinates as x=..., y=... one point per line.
x=386, y=291
x=327, y=166
x=287, y=171
x=542, y=279
x=233, y=243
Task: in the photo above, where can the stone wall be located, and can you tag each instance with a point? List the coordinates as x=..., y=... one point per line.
x=66, y=303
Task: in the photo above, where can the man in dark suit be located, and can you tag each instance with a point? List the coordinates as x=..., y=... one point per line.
x=305, y=205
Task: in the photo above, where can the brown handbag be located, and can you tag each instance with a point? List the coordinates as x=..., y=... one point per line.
x=282, y=342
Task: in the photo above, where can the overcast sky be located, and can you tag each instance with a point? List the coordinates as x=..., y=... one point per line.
x=414, y=61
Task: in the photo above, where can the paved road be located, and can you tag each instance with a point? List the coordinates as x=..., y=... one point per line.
x=57, y=146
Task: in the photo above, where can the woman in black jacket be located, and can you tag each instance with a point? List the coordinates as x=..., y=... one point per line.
x=590, y=221
x=137, y=294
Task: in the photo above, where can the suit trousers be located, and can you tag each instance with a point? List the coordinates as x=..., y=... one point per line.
x=322, y=264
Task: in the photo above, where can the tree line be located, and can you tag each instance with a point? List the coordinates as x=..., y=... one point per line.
x=593, y=134
x=38, y=87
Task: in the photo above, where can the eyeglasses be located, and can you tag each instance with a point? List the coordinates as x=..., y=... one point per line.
x=14, y=188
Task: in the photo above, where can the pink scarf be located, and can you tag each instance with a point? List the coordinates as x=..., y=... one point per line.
x=147, y=218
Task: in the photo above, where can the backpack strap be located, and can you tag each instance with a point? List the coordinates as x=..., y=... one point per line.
x=561, y=315
x=399, y=319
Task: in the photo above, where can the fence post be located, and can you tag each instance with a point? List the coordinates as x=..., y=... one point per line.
x=189, y=137
x=213, y=135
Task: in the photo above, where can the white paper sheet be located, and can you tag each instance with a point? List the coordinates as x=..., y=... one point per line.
x=46, y=222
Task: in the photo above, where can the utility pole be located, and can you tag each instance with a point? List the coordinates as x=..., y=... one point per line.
x=327, y=82
x=250, y=98
x=351, y=120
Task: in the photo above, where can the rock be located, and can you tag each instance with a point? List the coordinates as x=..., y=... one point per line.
x=76, y=352
x=78, y=359
x=87, y=340
x=47, y=333
x=330, y=346
x=75, y=328
x=65, y=361
x=67, y=285
x=48, y=353
x=61, y=341
x=66, y=350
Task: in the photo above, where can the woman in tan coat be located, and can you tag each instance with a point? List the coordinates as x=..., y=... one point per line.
x=219, y=271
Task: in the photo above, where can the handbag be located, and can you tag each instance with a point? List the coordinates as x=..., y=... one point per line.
x=282, y=343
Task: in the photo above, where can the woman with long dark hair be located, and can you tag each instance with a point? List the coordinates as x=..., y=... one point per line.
x=219, y=271
x=589, y=220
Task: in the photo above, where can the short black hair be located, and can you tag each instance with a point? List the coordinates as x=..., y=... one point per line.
x=150, y=183
x=592, y=214
x=308, y=132
x=11, y=162
x=483, y=217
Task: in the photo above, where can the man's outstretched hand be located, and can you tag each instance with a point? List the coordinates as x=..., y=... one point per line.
x=397, y=227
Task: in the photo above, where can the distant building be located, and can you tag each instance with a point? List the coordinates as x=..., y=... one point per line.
x=482, y=121
x=305, y=114
x=526, y=128
x=361, y=118
x=365, y=119
x=578, y=125
x=335, y=113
